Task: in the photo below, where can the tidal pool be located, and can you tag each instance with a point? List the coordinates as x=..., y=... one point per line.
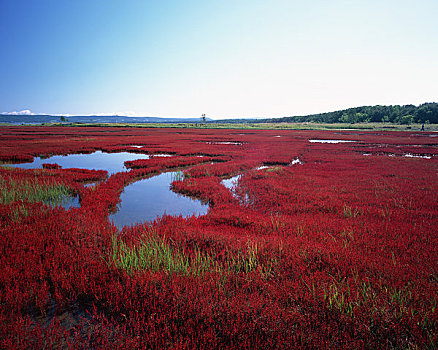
x=330, y=141
x=147, y=199
x=224, y=143
x=231, y=183
x=111, y=162
x=67, y=202
x=296, y=161
x=407, y=155
x=141, y=201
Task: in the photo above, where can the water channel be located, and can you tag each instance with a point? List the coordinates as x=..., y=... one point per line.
x=111, y=162
x=330, y=141
x=141, y=201
x=147, y=199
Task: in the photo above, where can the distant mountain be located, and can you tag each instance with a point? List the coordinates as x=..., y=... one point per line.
x=40, y=119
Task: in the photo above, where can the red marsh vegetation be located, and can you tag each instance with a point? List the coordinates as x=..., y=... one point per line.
x=337, y=250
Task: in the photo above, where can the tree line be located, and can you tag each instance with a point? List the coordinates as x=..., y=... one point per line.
x=424, y=114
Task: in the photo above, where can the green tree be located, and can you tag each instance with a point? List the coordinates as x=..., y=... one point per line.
x=345, y=118
x=406, y=119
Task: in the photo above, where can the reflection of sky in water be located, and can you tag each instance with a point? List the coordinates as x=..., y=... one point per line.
x=231, y=183
x=68, y=202
x=407, y=155
x=111, y=162
x=141, y=201
x=147, y=199
x=330, y=141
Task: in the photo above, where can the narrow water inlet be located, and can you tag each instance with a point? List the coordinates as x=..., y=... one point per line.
x=224, y=143
x=406, y=155
x=329, y=141
x=147, y=199
x=141, y=201
x=296, y=161
x=231, y=183
x=409, y=155
x=111, y=162
x=67, y=202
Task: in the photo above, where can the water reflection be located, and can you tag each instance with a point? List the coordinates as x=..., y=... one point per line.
x=144, y=200
x=111, y=162
x=224, y=143
x=296, y=161
x=231, y=183
x=330, y=141
x=147, y=199
x=67, y=202
x=407, y=155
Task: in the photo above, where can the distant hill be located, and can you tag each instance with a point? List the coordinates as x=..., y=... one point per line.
x=40, y=119
x=407, y=114
x=424, y=113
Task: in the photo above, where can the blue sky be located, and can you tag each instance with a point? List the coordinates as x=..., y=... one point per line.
x=224, y=58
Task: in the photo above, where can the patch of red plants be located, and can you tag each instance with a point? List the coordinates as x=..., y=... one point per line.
x=346, y=252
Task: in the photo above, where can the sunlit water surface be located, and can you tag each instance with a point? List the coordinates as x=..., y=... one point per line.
x=147, y=199
x=68, y=202
x=141, y=201
x=330, y=141
x=111, y=162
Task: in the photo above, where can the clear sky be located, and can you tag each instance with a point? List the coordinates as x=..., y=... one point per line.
x=224, y=58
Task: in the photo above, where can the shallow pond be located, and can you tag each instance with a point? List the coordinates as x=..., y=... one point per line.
x=111, y=162
x=67, y=202
x=231, y=183
x=330, y=141
x=147, y=199
x=296, y=161
x=141, y=201
x=407, y=155
x=224, y=143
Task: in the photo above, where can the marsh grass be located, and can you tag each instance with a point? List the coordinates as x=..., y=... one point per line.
x=264, y=126
x=154, y=253
x=19, y=212
x=350, y=212
x=32, y=191
x=177, y=176
x=387, y=302
x=274, y=169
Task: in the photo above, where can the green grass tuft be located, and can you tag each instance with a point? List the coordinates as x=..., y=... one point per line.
x=154, y=253
x=32, y=191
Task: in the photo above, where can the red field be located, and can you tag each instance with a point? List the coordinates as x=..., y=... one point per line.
x=338, y=252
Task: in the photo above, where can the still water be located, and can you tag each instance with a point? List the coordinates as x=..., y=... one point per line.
x=141, y=201
x=67, y=202
x=147, y=199
x=231, y=183
x=111, y=162
x=330, y=141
